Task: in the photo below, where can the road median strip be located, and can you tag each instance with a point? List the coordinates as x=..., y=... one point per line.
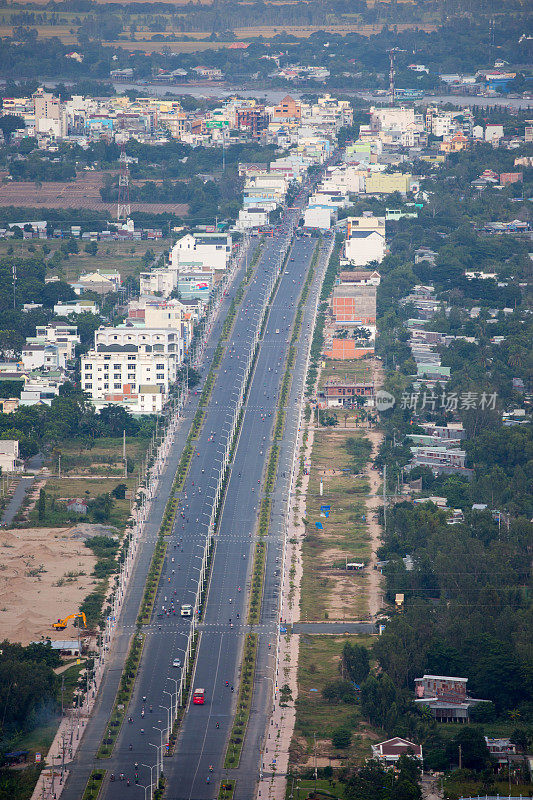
x=129, y=672
x=244, y=702
x=94, y=785
x=258, y=567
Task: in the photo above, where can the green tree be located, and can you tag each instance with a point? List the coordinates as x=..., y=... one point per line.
x=355, y=662
x=341, y=737
x=473, y=749
x=9, y=123
x=41, y=505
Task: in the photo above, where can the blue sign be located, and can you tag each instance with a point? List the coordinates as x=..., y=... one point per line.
x=319, y=526
x=325, y=508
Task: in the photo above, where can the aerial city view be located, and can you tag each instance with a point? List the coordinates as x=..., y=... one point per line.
x=266, y=382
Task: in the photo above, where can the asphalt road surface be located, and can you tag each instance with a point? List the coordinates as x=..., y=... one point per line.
x=201, y=744
x=85, y=760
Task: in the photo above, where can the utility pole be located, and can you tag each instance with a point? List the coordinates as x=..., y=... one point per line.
x=460, y=757
x=124, y=453
x=14, y=285
x=385, y=497
x=316, y=770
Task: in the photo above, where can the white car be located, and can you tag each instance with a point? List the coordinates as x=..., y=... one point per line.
x=186, y=610
x=176, y=663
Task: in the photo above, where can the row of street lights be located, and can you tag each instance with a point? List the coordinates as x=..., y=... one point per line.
x=176, y=698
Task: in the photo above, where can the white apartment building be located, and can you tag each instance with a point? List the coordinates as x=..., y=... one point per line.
x=344, y=178
x=173, y=314
x=156, y=342
x=333, y=198
x=9, y=456
x=159, y=281
x=43, y=356
x=62, y=334
x=319, y=217
x=365, y=246
x=209, y=249
x=391, y=118
x=251, y=218
x=75, y=307
x=126, y=375
x=131, y=375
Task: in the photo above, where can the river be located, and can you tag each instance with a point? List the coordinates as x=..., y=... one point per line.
x=275, y=95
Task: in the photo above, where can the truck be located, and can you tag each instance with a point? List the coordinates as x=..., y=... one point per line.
x=186, y=610
x=198, y=697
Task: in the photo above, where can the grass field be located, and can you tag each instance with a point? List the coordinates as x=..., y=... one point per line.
x=454, y=790
x=124, y=256
x=303, y=789
x=142, y=38
x=349, y=370
x=86, y=489
x=328, y=590
x=319, y=665
x=103, y=458
x=82, y=193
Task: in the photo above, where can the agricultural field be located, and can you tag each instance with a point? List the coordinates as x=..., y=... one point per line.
x=82, y=193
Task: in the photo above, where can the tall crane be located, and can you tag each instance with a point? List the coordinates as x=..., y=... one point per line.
x=123, y=204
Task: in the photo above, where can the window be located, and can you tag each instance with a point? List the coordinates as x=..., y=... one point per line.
x=159, y=377
x=88, y=386
x=160, y=366
x=117, y=386
x=106, y=386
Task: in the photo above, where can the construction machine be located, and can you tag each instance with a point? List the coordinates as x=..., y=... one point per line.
x=61, y=624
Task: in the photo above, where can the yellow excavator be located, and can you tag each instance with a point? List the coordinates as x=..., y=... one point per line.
x=61, y=624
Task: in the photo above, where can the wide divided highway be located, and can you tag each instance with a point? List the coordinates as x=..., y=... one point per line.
x=205, y=729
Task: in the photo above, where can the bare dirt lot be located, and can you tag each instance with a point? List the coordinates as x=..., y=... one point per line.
x=45, y=573
x=83, y=193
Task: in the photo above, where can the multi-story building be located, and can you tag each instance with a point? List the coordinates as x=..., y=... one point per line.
x=209, y=249
x=43, y=356
x=387, y=183
x=160, y=343
x=50, y=115
x=159, y=281
x=62, y=334
x=129, y=374
x=288, y=109
x=362, y=247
